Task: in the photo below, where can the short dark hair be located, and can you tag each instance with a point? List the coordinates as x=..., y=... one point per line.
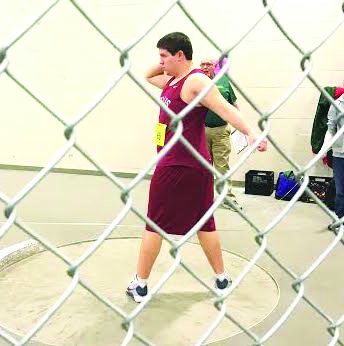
x=176, y=41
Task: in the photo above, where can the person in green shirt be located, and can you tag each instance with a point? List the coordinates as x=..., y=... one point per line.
x=218, y=131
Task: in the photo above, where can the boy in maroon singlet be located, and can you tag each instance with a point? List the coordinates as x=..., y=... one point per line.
x=181, y=189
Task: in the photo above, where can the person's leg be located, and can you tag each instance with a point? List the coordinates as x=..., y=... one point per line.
x=150, y=248
x=207, y=235
x=221, y=151
x=210, y=243
x=338, y=170
x=149, y=251
x=151, y=242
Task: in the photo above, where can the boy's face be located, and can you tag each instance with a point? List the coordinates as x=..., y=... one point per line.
x=168, y=61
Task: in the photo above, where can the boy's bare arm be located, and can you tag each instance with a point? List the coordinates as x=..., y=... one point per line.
x=155, y=75
x=218, y=104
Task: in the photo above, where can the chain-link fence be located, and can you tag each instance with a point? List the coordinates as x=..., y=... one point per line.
x=262, y=234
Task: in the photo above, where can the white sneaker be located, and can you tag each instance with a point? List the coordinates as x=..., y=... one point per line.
x=226, y=205
x=135, y=291
x=223, y=286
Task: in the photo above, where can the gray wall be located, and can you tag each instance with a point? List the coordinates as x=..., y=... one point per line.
x=66, y=63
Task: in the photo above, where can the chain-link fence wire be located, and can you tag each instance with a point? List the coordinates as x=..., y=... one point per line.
x=261, y=235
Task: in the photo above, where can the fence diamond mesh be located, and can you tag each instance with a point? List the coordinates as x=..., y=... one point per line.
x=125, y=191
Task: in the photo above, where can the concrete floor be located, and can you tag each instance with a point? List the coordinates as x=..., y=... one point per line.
x=67, y=208
x=182, y=303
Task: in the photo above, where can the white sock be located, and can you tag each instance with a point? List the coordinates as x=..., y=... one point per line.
x=221, y=276
x=141, y=282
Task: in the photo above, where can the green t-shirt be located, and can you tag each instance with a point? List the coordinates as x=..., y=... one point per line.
x=212, y=119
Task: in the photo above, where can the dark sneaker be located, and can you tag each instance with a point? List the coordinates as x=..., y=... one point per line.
x=332, y=228
x=136, y=292
x=222, y=286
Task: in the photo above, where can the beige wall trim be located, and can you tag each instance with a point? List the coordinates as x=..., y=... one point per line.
x=235, y=183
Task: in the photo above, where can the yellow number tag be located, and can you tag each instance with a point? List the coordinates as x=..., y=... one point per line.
x=160, y=131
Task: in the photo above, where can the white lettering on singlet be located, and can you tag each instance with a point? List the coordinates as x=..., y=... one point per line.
x=165, y=100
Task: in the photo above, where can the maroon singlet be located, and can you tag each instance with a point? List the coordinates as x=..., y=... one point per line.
x=181, y=189
x=193, y=127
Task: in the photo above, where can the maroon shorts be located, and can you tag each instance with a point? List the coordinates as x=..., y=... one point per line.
x=178, y=197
